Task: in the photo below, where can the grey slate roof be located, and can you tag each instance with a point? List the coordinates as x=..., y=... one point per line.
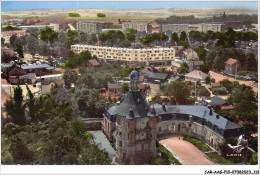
x=217, y=101
x=27, y=76
x=155, y=75
x=6, y=65
x=35, y=66
x=135, y=101
x=198, y=111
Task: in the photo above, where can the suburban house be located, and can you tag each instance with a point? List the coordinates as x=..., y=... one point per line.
x=195, y=64
x=154, y=77
x=231, y=66
x=154, y=27
x=219, y=102
x=115, y=88
x=178, y=50
x=190, y=54
x=92, y=63
x=196, y=76
x=28, y=78
x=46, y=85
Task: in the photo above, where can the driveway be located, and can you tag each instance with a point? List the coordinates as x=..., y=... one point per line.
x=218, y=77
x=186, y=152
x=101, y=140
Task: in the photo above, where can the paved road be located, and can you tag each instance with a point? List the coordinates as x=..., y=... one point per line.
x=218, y=77
x=186, y=151
x=103, y=143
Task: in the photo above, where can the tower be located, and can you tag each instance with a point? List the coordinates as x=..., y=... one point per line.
x=136, y=128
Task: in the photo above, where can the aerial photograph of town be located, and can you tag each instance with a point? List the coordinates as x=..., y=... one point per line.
x=129, y=83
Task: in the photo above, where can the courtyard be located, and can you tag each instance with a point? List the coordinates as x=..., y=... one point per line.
x=185, y=151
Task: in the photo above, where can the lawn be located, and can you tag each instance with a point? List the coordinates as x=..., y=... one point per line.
x=215, y=157
x=199, y=144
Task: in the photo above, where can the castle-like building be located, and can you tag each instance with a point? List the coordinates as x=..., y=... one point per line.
x=135, y=125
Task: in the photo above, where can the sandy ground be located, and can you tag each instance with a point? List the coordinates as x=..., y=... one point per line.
x=218, y=77
x=186, y=151
x=134, y=15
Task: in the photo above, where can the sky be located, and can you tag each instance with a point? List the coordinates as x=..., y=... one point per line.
x=120, y=5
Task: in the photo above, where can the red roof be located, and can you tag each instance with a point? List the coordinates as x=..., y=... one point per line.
x=94, y=62
x=58, y=82
x=231, y=61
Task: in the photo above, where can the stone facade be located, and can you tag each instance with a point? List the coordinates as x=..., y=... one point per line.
x=140, y=27
x=89, y=27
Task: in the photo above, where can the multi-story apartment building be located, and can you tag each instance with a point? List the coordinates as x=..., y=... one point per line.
x=154, y=27
x=140, y=27
x=7, y=35
x=130, y=57
x=216, y=27
x=55, y=27
x=89, y=27
x=178, y=28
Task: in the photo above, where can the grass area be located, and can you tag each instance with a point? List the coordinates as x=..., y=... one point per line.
x=215, y=157
x=199, y=144
x=165, y=158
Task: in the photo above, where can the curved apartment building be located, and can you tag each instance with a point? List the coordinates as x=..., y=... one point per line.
x=129, y=56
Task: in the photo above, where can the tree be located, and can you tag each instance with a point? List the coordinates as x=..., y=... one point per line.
x=74, y=15
x=2, y=41
x=202, y=53
x=130, y=35
x=15, y=107
x=175, y=37
x=70, y=76
x=33, y=45
x=178, y=90
x=31, y=103
x=202, y=91
x=184, y=68
x=19, y=49
x=205, y=68
x=183, y=36
x=125, y=88
x=71, y=35
x=47, y=34
x=13, y=41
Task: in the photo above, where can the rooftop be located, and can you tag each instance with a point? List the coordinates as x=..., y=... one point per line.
x=155, y=75
x=231, y=61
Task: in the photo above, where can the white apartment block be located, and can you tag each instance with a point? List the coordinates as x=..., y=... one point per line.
x=89, y=27
x=128, y=56
x=55, y=27
x=216, y=27
x=140, y=27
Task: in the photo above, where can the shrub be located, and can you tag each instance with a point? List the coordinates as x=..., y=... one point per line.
x=219, y=91
x=74, y=15
x=100, y=15
x=199, y=144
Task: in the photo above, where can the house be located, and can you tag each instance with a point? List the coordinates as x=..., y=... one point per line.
x=154, y=27
x=195, y=44
x=46, y=85
x=195, y=64
x=154, y=77
x=7, y=34
x=219, y=102
x=196, y=76
x=231, y=66
x=178, y=50
x=27, y=79
x=13, y=75
x=92, y=63
x=190, y=54
x=115, y=88
x=214, y=85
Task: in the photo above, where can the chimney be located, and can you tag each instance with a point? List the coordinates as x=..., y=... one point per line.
x=210, y=112
x=164, y=107
x=131, y=113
